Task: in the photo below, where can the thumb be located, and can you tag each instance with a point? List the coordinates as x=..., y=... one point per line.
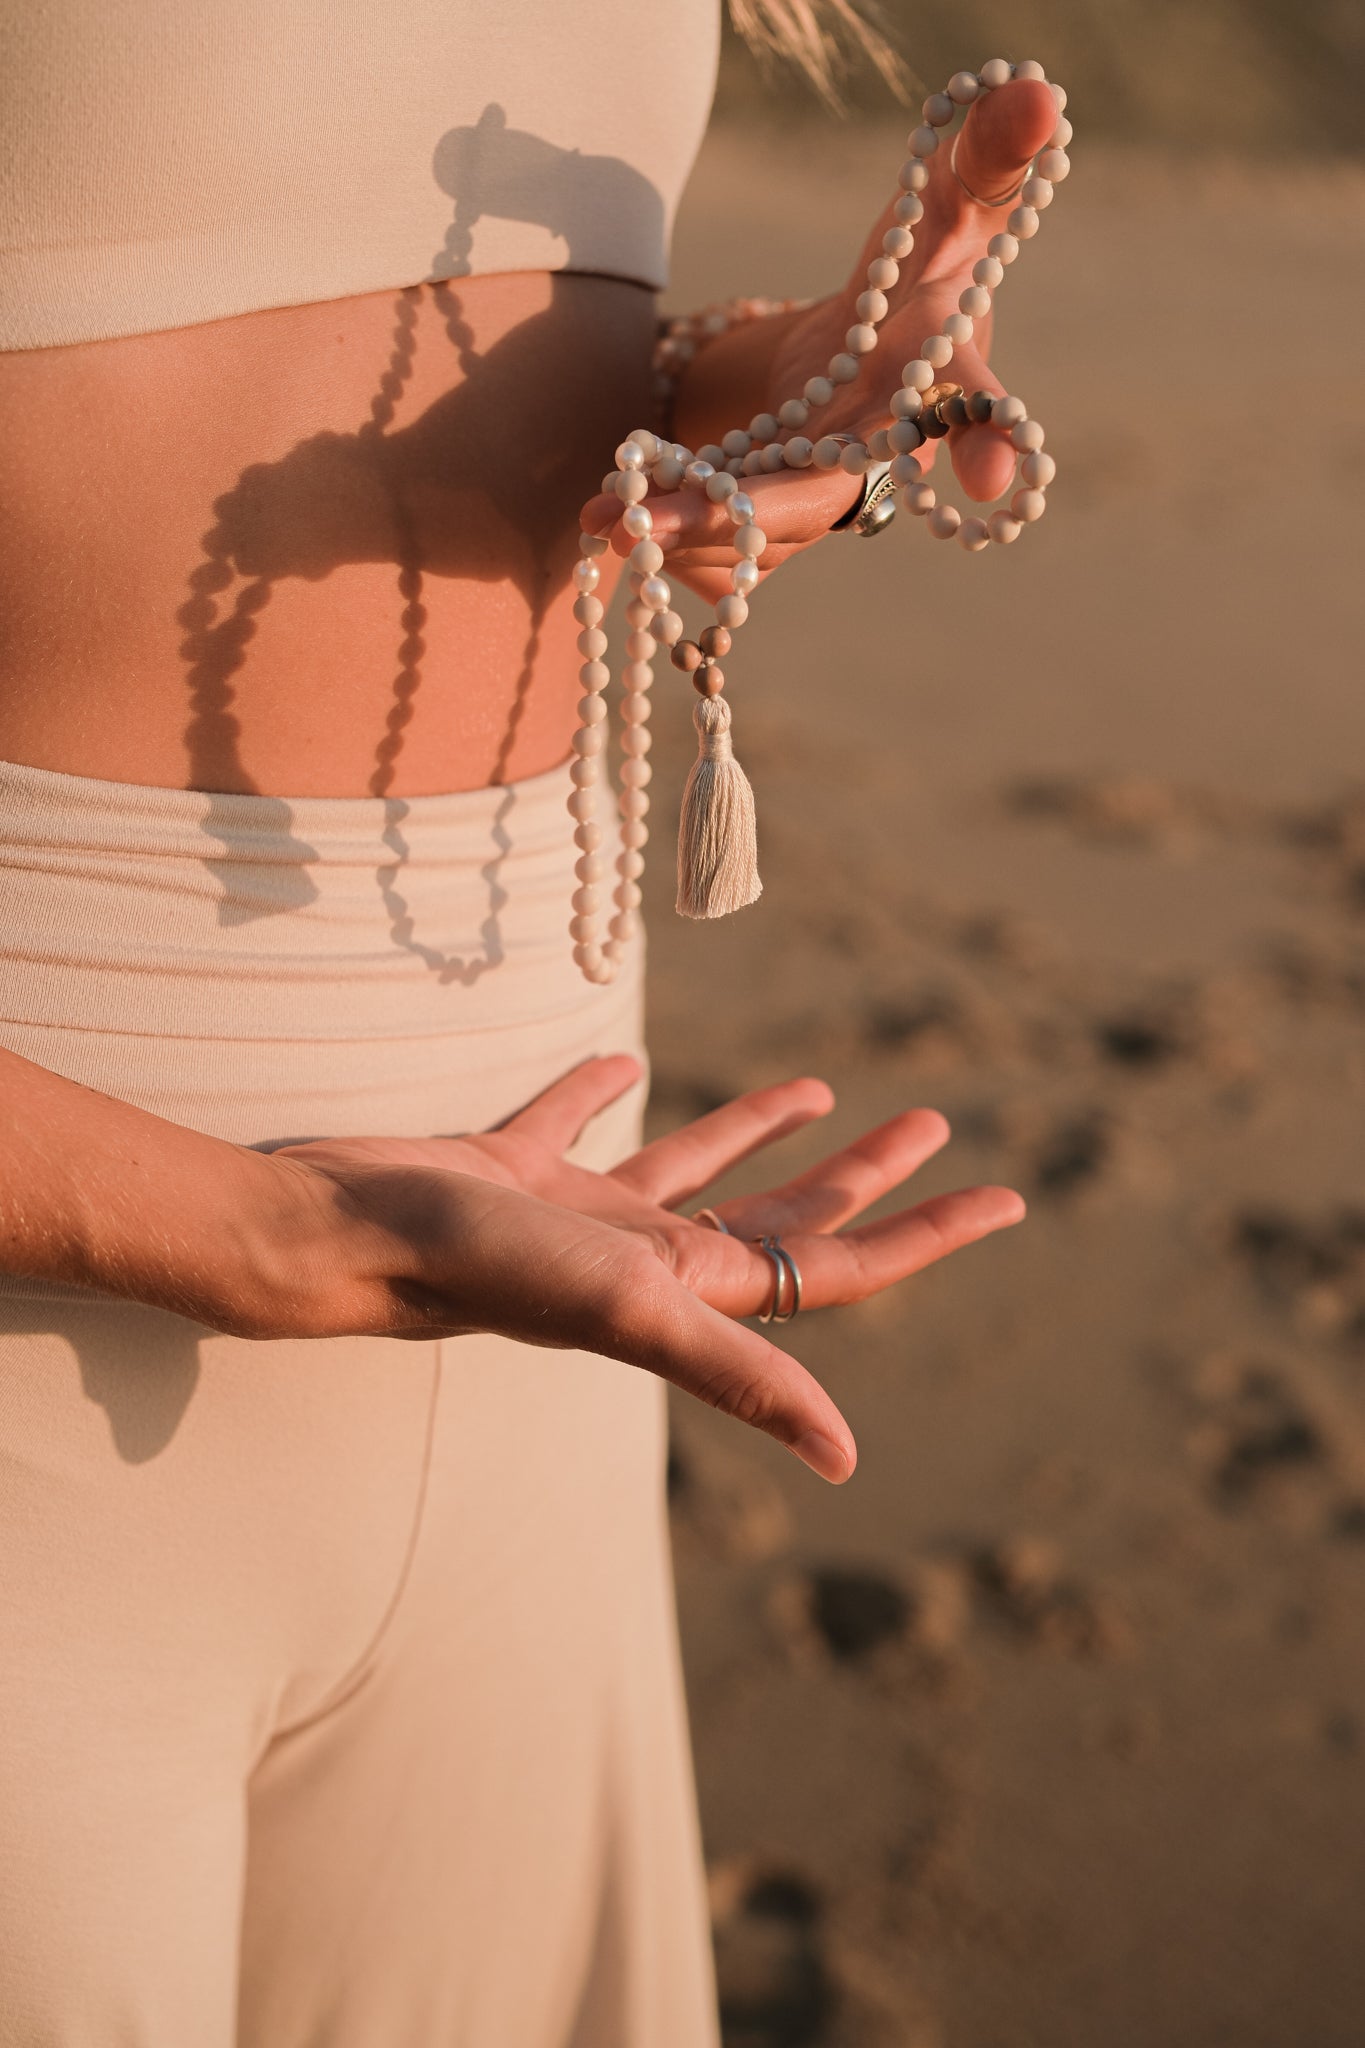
x=1003, y=132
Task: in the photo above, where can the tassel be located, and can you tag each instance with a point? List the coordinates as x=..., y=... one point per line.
x=717, y=840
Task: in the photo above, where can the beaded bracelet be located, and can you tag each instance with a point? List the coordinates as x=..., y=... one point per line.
x=717, y=849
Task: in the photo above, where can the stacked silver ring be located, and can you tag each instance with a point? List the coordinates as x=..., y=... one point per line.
x=784, y=1268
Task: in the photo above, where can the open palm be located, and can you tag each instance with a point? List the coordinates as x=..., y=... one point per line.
x=499, y=1231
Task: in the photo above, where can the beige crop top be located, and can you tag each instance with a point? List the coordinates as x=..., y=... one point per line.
x=164, y=162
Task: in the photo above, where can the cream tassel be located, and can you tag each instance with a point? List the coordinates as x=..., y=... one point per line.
x=717, y=840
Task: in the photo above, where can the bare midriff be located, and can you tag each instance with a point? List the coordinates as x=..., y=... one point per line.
x=319, y=551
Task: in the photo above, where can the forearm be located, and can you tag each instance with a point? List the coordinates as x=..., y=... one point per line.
x=101, y=1195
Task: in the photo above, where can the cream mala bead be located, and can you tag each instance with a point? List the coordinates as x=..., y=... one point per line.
x=717, y=851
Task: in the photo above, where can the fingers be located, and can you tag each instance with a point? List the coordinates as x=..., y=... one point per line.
x=794, y=507
x=558, y=1114
x=659, y=1325
x=674, y=1168
x=841, y=1187
x=1003, y=131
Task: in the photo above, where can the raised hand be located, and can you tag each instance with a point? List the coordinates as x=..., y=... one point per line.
x=758, y=364
x=499, y=1231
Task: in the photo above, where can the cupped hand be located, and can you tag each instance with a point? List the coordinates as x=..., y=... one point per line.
x=1003, y=131
x=499, y=1231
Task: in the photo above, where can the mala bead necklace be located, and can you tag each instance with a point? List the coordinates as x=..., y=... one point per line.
x=717, y=842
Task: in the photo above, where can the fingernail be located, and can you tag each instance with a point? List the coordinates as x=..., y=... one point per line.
x=823, y=1455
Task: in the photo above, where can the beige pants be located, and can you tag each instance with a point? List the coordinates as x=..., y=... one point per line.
x=339, y=1693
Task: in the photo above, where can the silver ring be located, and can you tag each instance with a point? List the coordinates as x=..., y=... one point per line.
x=783, y=1264
x=874, y=507
x=1009, y=197
x=713, y=1222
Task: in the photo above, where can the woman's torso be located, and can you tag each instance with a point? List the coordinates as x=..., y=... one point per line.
x=324, y=548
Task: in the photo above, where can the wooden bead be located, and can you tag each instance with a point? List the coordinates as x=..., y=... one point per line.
x=931, y=425
x=953, y=411
x=687, y=656
x=709, y=679
x=715, y=642
x=979, y=407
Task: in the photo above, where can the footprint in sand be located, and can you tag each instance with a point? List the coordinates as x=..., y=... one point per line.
x=774, y=1984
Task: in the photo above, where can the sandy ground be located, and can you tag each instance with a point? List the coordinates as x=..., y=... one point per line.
x=1049, y=1731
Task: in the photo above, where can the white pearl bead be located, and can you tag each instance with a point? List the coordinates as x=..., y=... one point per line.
x=628, y=896
x=763, y=426
x=973, y=536
x=731, y=612
x=1036, y=192
x=637, y=677
x=634, y=805
x=1030, y=68
x=583, y=772
x=668, y=472
x=843, y=368
x=918, y=375
x=587, y=957
x=882, y=274
x=1004, y=248
x=582, y=929
x=871, y=307
x=752, y=464
x=975, y=302
x=588, y=836
x=640, y=644
x=905, y=469
x=989, y=274
x=645, y=441
x=938, y=109
x=668, y=629
x=913, y=177
x=655, y=593
x=636, y=741
x=919, y=499
x=736, y=442
x=591, y=544
x=720, y=487
x=630, y=455
x=861, y=339
x=909, y=208
x=588, y=609
x=854, y=459
x=698, y=472
x=818, y=391
x=1003, y=527
x=634, y=833
x=996, y=72
x=922, y=141
x=1059, y=138
x=609, y=482
x=1023, y=223
x=1037, y=470
x=735, y=465
x=581, y=804
x=750, y=540
x=1053, y=165
x=959, y=329
x=905, y=405
x=592, y=709
x=634, y=705
x=798, y=452
x=1007, y=412
x=637, y=614
x=622, y=925
x=827, y=452
x=713, y=453
x=631, y=486
x=741, y=508
x=794, y=412
x=1027, y=435
x=1028, y=506
x=1059, y=93
x=647, y=556
x=774, y=458
x=743, y=577
x=943, y=521
x=938, y=350
x=963, y=87
x=898, y=243
x=591, y=867
x=631, y=865
x=586, y=574
x=592, y=643
x=905, y=436
x=638, y=521
x=635, y=774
